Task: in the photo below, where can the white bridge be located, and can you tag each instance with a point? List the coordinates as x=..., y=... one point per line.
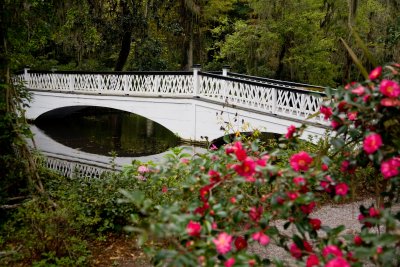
x=194, y=105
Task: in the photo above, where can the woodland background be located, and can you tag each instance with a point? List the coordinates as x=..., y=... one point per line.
x=284, y=39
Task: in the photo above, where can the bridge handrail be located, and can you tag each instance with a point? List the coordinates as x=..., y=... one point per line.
x=273, y=81
x=270, y=98
x=110, y=72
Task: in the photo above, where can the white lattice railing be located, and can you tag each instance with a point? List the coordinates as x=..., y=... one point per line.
x=243, y=91
x=288, y=102
x=72, y=169
x=140, y=84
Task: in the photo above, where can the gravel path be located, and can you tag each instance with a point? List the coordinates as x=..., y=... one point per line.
x=331, y=215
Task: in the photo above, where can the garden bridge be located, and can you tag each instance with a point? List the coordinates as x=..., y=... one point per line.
x=195, y=105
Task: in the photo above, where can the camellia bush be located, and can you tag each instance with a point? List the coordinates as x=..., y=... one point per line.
x=232, y=199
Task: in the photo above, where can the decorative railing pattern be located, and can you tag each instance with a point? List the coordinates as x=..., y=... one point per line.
x=260, y=94
x=150, y=83
x=72, y=169
x=289, y=102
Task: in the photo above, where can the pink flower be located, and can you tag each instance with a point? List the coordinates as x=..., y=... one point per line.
x=290, y=131
x=300, y=161
x=240, y=243
x=312, y=260
x=193, y=228
x=315, y=223
x=333, y=250
x=246, y=168
x=375, y=73
x=360, y=90
x=372, y=143
x=389, y=88
x=327, y=111
x=223, y=243
x=390, y=102
x=213, y=147
x=263, y=161
x=184, y=160
x=229, y=262
x=337, y=262
x=324, y=167
x=352, y=115
x=293, y=195
x=164, y=189
x=264, y=239
x=299, y=181
x=143, y=169
x=390, y=167
x=341, y=189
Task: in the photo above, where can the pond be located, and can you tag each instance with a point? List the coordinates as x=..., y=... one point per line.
x=102, y=131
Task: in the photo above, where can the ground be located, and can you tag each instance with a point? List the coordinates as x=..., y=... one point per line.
x=120, y=251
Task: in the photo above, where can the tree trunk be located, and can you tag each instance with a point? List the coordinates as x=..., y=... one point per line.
x=126, y=38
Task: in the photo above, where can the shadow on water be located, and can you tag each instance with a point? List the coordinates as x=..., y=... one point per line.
x=102, y=130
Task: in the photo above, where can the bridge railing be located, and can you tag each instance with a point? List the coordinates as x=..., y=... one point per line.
x=276, y=99
x=123, y=83
x=282, y=98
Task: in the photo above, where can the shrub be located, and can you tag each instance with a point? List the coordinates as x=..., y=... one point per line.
x=230, y=197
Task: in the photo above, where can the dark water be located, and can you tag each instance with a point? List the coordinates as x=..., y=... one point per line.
x=100, y=131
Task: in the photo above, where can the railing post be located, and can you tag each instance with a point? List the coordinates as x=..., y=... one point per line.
x=196, y=79
x=274, y=100
x=71, y=81
x=27, y=77
x=100, y=83
x=225, y=70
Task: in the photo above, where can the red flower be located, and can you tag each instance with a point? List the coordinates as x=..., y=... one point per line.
x=295, y=251
x=247, y=168
x=223, y=243
x=315, y=224
x=300, y=161
x=324, y=167
x=263, y=161
x=357, y=240
x=193, y=228
x=307, y=209
x=342, y=106
x=341, y=189
x=214, y=176
x=374, y=212
x=264, y=239
x=327, y=111
x=372, y=143
x=229, y=262
x=390, y=167
x=335, y=124
x=164, y=189
x=240, y=243
x=375, y=73
x=389, y=88
x=204, y=191
x=240, y=153
x=337, y=262
x=255, y=213
x=312, y=260
x=290, y=131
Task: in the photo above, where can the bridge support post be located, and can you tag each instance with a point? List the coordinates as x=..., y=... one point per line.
x=274, y=100
x=225, y=70
x=196, y=79
x=27, y=77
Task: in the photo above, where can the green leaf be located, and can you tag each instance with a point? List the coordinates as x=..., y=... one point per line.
x=338, y=143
